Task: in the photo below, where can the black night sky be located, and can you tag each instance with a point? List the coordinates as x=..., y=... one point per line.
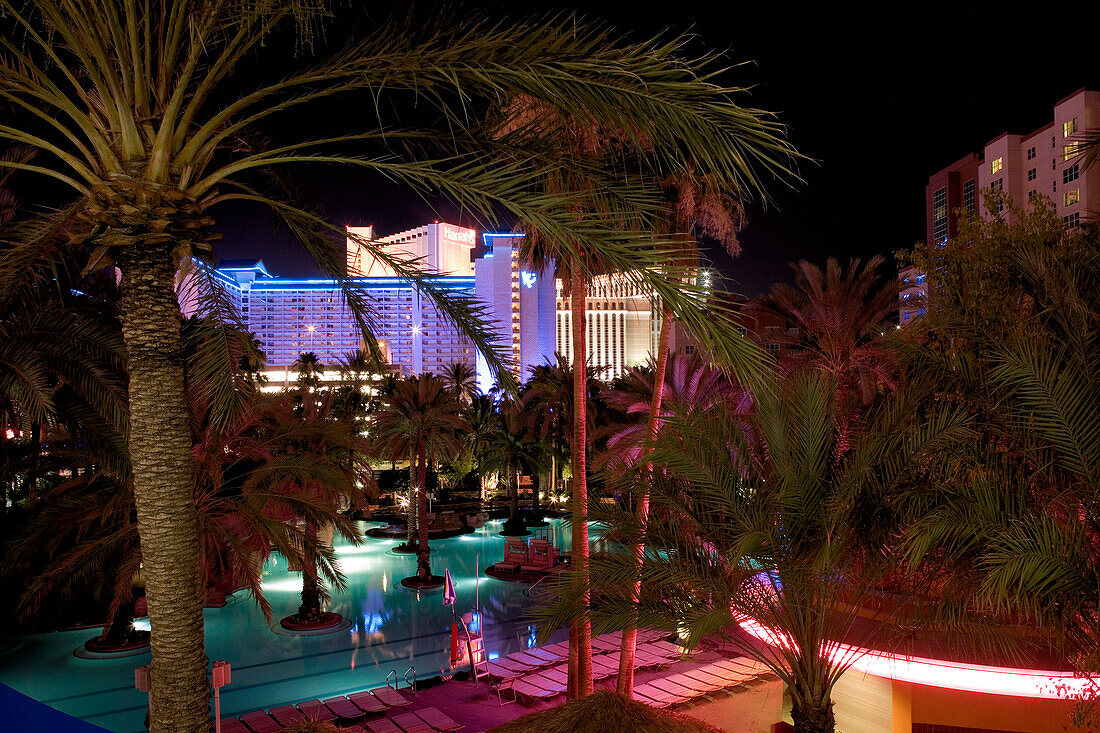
x=879, y=99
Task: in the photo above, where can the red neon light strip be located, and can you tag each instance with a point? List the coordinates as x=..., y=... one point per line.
x=941, y=673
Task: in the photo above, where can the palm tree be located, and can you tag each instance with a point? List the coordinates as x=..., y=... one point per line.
x=256, y=487
x=309, y=371
x=760, y=525
x=512, y=450
x=461, y=380
x=697, y=206
x=140, y=112
x=839, y=318
x=423, y=420
x=484, y=420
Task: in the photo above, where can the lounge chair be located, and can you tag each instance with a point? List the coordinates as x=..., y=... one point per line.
x=674, y=688
x=653, y=702
x=232, y=725
x=439, y=720
x=525, y=692
x=316, y=710
x=343, y=708
x=561, y=648
x=546, y=683
x=530, y=659
x=541, y=557
x=381, y=725
x=515, y=555
x=287, y=715
x=367, y=702
x=412, y=723
x=601, y=670
x=558, y=675
x=546, y=655
x=693, y=683
x=498, y=674
x=657, y=697
x=391, y=698
x=718, y=682
x=260, y=722
x=665, y=648
x=601, y=645
x=515, y=666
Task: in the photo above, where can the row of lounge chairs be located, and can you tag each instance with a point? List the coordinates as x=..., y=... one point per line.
x=378, y=701
x=540, y=674
x=721, y=675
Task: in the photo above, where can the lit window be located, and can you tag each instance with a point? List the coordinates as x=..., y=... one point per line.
x=1031, y=175
x=1070, y=127
x=939, y=214
x=1071, y=173
x=1068, y=151
x=1069, y=198
x=996, y=165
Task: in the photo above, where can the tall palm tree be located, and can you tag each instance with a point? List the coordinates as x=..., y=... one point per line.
x=147, y=112
x=423, y=420
x=309, y=371
x=760, y=525
x=461, y=380
x=697, y=206
x=839, y=317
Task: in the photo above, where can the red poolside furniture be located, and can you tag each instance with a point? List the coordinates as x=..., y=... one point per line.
x=541, y=557
x=232, y=725
x=547, y=656
x=655, y=697
x=287, y=715
x=260, y=722
x=367, y=702
x=527, y=658
x=316, y=710
x=439, y=720
x=381, y=725
x=515, y=555
x=390, y=697
x=343, y=708
x=412, y=723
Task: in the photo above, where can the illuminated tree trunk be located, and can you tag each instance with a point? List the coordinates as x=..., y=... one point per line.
x=168, y=522
x=625, y=681
x=423, y=568
x=580, y=630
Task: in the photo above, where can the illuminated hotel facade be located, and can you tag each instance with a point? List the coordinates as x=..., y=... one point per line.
x=528, y=309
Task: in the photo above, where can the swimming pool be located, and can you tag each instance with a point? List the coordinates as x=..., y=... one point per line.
x=392, y=629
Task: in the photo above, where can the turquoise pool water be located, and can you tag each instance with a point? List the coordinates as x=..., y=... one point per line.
x=392, y=629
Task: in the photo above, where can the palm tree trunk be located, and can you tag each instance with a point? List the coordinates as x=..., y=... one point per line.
x=423, y=568
x=413, y=509
x=625, y=682
x=513, y=491
x=813, y=716
x=310, y=610
x=168, y=523
x=580, y=630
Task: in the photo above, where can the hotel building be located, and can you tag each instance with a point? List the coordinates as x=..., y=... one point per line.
x=1041, y=163
x=528, y=309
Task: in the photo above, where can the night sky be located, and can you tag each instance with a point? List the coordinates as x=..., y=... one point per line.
x=879, y=98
